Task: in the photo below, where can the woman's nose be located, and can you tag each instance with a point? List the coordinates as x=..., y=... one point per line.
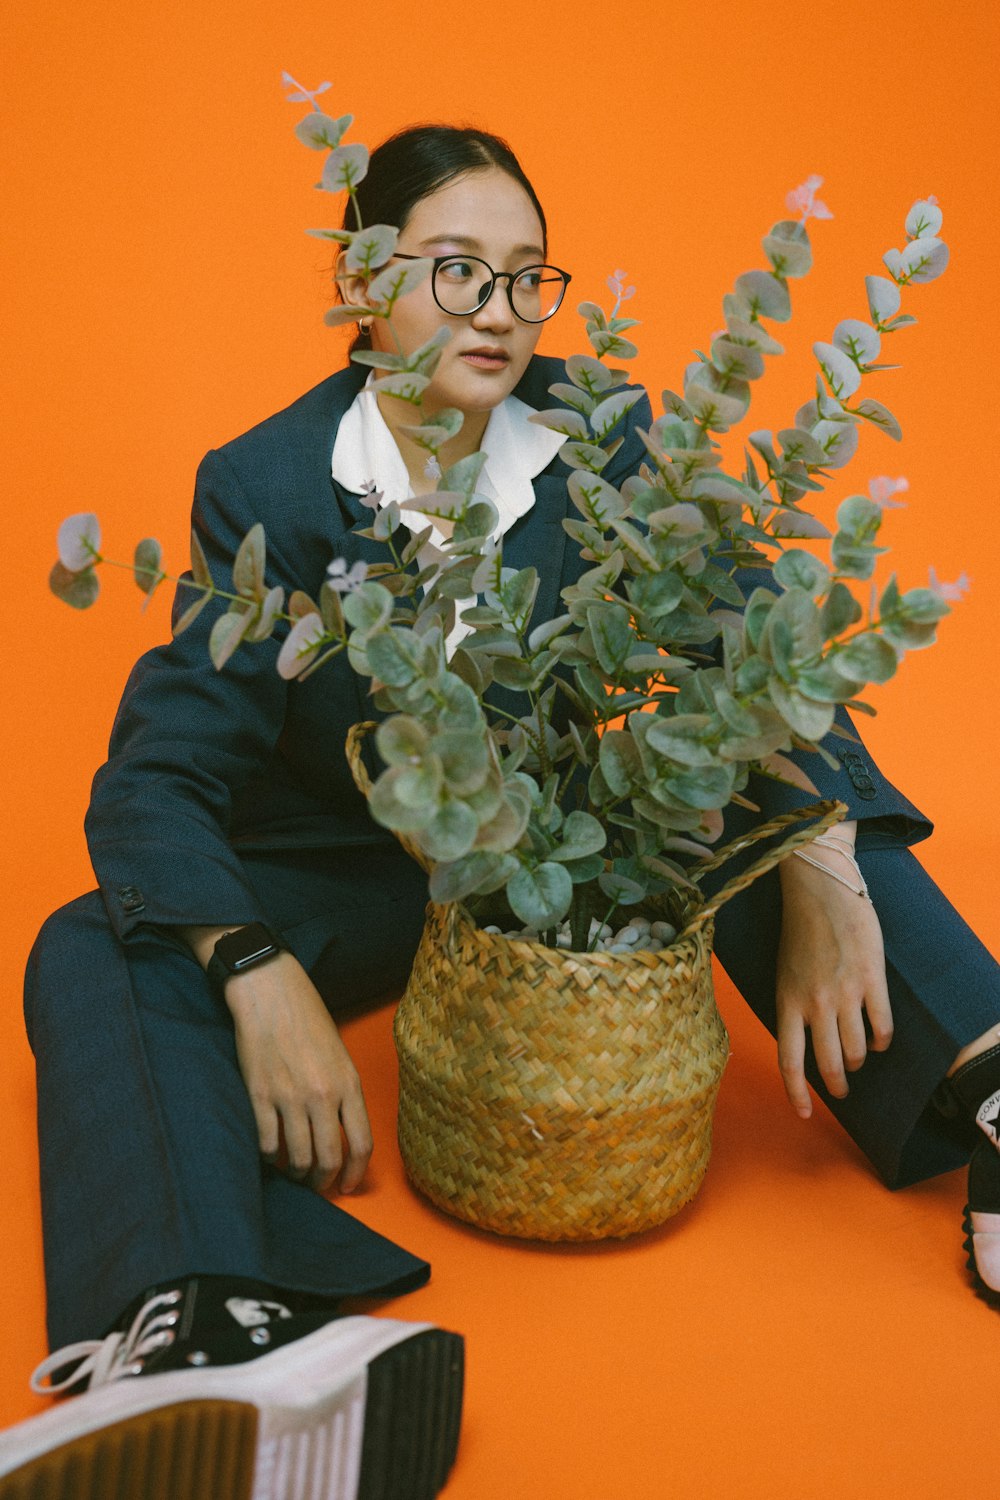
x=496, y=311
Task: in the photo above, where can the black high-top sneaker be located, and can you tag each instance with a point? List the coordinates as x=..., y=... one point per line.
x=223, y=1390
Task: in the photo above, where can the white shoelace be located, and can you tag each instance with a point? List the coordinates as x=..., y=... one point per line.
x=101, y=1361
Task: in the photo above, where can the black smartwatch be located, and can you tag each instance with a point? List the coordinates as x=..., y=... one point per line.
x=236, y=951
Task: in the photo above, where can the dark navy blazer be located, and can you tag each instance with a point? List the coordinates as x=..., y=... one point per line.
x=204, y=765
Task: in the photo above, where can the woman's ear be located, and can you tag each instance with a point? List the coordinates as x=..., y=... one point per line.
x=353, y=288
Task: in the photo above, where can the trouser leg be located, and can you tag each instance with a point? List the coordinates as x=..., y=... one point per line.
x=148, y=1145
x=944, y=988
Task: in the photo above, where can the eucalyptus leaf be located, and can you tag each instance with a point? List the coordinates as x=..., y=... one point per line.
x=405, y=385
x=582, y=834
x=857, y=340
x=764, y=295
x=227, y=632
x=321, y=132
x=78, y=542
x=841, y=374
x=562, y=419
x=301, y=646
x=78, y=587
x=146, y=564
x=188, y=616
x=370, y=248
x=267, y=617
x=476, y=873
x=540, y=897
x=798, y=569
x=880, y=416
x=395, y=281
x=867, y=658
x=590, y=375
x=344, y=168
x=606, y=416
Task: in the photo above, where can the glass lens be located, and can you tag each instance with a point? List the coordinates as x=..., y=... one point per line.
x=537, y=292
x=462, y=284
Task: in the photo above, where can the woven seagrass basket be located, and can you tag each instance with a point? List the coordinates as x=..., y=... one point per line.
x=555, y=1095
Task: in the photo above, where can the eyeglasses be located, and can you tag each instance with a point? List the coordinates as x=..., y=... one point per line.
x=462, y=284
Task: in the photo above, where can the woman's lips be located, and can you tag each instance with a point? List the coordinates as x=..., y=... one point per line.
x=487, y=359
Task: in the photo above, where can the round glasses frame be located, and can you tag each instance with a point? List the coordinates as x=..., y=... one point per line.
x=508, y=276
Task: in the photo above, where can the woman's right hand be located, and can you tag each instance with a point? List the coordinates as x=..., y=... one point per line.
x=302, y=1084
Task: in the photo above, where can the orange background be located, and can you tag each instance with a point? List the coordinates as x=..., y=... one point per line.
x=799, y=1332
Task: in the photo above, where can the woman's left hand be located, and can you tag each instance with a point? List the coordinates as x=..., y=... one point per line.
x=831, y=973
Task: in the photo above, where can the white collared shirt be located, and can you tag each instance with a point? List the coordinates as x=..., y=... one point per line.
x=517, y=450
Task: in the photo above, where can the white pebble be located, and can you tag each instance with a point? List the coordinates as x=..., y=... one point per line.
x=652, y=945
x=494, y=930
x=663, y=931
x=620, y=948
x=601, y=928
x=641, y=924
x=563, y=940
x=627, y=935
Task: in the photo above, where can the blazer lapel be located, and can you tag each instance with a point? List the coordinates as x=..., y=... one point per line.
x=538, y=541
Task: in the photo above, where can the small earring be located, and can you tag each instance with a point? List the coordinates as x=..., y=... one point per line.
x=365, y=325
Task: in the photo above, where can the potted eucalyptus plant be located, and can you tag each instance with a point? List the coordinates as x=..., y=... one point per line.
x=558, y=1063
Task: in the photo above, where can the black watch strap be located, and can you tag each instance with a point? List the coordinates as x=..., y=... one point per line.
x=243, y=949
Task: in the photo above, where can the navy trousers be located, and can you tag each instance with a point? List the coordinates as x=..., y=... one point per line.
x=149, y=1159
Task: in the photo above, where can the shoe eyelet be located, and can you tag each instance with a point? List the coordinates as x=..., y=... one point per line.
x=198, y=1357
x=174, y=1296
x=136, y=1367
x=260, y=1336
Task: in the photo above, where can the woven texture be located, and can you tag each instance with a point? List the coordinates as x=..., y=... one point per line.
x=555, y=1095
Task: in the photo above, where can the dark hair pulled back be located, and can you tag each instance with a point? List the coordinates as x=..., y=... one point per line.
x=415, y=162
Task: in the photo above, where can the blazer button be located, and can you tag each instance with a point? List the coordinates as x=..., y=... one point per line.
x=131, y=898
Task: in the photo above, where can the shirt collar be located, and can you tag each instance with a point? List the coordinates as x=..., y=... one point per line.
x=517, y=450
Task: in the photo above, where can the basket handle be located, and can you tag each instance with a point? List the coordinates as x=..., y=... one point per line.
x=356, y=736
x=827, y=814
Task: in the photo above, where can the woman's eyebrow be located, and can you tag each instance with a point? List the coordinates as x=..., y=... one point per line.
x=467, y=243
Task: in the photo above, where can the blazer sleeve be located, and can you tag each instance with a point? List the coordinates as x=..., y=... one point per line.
x=185, y=739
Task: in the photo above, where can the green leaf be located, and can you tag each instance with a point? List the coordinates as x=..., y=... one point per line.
x=584, y=456
x=540, y=897
x=859, y=341
x=867, y=658
x=78, y=542
x=75, y=587
x=192, y=612
x=199, y=565
x=405, y=385
x=395, y=281
x=368, y=608
x=682, y=738
x=883, y=298
x=620, y=889
x=344, y=168
x=764, y=295
x=840, y=373
x=881, y=416
x=463, y=476
x=589, y=374
x=267, y=615
x=401, y=740
x=582, y=834
x=739, y=360
x=370, y=248
x=464, y=758
x=605, y=417
x=395, y=656
x=802, y=715
x=320, y=132
x=611, y=632
x=840, y=610
x=787, y=248
x=146, y=564
x=248, y=567
x=227, y=632
x=798, y=569
x=594, y=498
x=476, y=873
x=560, y=419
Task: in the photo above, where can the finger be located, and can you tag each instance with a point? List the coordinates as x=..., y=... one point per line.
x=327, y=1148
x=791, y=1058
x=298, y=1140
x=853, y=1043
x=828, y=1053
x=358, y=1132
x=268, y=1135
x=879, y=1010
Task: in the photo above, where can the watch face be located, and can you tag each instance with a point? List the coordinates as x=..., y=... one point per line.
x=241, y=950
